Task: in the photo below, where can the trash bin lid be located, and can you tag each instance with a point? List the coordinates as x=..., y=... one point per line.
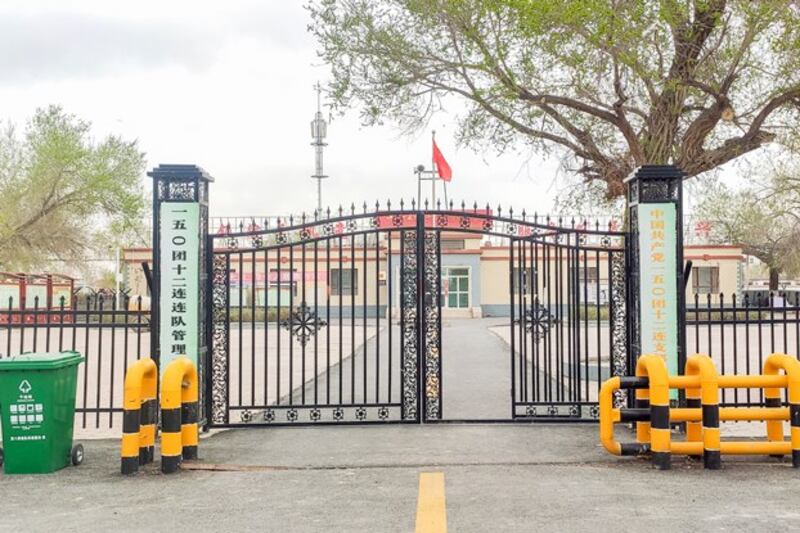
x=40, y=361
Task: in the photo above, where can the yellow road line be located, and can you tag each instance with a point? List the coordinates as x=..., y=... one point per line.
x=431, y=512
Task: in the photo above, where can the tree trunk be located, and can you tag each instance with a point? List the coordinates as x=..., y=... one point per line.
x=773, y=278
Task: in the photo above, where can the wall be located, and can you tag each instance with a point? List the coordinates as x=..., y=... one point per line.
x=489, y=267
x=729, y=261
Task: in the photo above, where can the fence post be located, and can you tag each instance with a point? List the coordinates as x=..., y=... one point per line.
x=180, y=266
x=656, y=313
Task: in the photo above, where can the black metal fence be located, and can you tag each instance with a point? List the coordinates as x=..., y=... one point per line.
x=738, y=333
x=109, y=331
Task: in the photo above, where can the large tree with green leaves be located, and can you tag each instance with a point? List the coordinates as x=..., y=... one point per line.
x=607, y=84
x=63, y=193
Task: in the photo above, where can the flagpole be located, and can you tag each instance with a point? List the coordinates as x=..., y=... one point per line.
x=433, y=171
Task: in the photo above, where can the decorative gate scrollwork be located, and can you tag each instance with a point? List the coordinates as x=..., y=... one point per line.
x=410, y=324
x=431, y=327
x=339, y=319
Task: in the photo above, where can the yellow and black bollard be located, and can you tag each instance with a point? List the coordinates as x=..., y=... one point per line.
x=655, y=369
x=701, y=365
x=772, y=399
x=138, y=418
x=791, y=367
x=179, y=411
x=703, y=413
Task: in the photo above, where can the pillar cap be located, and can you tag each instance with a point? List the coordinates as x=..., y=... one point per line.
x=179, y=173
x=656, y=172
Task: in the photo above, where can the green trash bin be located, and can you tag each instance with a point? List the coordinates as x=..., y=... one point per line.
x=37, y=408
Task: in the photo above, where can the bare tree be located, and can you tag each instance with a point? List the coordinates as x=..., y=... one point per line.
x=763, y=218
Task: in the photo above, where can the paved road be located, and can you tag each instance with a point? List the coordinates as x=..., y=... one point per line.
x=476, y=372
x=499, y=478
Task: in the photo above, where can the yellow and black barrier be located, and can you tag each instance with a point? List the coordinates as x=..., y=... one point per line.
x=139, y=415
x=179, y=414
x=653, y=415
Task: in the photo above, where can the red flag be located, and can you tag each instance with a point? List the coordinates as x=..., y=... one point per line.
x=445, y=172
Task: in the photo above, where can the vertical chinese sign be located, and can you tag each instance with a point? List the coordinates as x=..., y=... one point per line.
x=179, y=249
x=658, y=283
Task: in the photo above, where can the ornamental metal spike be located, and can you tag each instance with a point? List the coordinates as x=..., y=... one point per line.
x=451, y=205
x=352, y=208
x=438, y=204
x=499, y=210
x=303, y=217
x=365, y=207
x=341, y=210
x=377, y=206
x=413, y=205
x=328, y=212
x=535, y=217
x=511, y=212
x=388, y=204
x=241, y=227
x=426, y=204
x=402, y=204
x=291, y=220
x=463, y=205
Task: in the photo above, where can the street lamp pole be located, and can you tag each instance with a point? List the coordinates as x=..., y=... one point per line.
x=431, y=175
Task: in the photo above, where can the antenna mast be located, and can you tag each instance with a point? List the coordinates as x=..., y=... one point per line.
x=319, y=130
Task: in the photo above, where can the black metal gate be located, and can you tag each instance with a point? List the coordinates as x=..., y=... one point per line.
x=568, y=286
x=338, y=318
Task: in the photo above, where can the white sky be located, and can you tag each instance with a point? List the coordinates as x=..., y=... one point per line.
x=229, y=86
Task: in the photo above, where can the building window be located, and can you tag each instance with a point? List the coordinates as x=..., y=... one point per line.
x=452, y=244
x=344, y=282
x=283, y=281
x=526, y=282
x=705, y=280
x=455, y=287
x=587, y=275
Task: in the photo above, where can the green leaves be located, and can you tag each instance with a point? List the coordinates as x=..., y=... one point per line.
x=763, y=217
x=608, y=84
x=62, y=192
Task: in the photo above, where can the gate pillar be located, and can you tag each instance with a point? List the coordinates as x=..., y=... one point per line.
x=656, y=297
x=180, y=266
